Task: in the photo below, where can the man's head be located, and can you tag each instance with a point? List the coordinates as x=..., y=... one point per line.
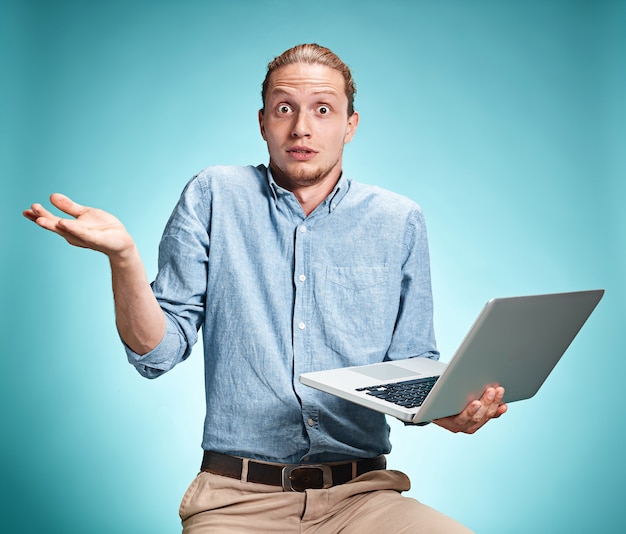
x=307, y=119
x=312, y=54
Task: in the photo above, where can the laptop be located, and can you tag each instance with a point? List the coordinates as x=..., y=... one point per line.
x=515, y=342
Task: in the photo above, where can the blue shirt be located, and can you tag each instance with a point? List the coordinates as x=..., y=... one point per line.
x=278, y=293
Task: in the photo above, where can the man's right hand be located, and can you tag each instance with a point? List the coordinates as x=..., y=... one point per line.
x=90, y=228
x=140, y=320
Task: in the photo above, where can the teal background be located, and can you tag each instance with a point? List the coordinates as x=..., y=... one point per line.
x=504, y=120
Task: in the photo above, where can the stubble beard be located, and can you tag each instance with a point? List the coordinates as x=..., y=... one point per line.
x=303, y=177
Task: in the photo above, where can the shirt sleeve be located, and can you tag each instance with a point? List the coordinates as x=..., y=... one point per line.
x=180, y=285
x=414, y=333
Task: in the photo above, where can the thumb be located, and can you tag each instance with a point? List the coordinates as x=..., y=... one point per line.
x=67, y=205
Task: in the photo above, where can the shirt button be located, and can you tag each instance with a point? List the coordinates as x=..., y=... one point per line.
x=310, y=422
x=302, y=278
x=303, y=229
x=301, y=326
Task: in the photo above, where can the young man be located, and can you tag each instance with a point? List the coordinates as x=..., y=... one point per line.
x=281, y=266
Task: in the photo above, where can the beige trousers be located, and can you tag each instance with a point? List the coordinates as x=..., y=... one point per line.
x=371, y=503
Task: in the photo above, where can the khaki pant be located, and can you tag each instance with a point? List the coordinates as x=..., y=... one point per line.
x=215, y=504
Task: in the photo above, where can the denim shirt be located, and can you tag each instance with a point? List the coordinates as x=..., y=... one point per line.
x=278, y=293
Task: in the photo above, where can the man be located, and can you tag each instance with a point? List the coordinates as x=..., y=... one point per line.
x=287, y=269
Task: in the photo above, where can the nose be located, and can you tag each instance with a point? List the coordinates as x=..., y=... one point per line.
x=301, y=125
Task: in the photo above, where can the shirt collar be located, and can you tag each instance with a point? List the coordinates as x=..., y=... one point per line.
x=330, y=203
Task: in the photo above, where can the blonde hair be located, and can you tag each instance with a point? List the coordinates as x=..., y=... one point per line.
x=312, y=54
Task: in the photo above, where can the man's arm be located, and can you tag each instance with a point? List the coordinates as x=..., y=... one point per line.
x=140, y=320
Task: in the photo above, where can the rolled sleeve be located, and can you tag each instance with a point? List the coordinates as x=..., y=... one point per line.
x=170, y=351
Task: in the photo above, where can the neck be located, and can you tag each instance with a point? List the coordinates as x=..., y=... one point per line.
x=309, y=195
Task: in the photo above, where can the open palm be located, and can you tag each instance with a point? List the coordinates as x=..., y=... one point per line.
x=90, y=227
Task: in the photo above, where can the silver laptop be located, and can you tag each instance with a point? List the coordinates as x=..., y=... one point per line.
x=515, y=342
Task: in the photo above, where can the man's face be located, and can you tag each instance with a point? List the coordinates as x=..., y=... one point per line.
x=306, y=124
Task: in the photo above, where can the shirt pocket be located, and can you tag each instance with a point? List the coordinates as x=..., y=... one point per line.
x=356, y=298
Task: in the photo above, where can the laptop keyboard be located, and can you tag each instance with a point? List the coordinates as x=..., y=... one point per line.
x=408, y=394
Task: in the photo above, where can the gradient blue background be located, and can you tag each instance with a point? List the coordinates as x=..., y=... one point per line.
x=504, y=120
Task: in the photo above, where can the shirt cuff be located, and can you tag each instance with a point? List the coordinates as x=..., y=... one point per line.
x=160, y=359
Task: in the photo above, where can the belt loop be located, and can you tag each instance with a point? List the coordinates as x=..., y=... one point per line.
x=244, y=470
x=354, y=470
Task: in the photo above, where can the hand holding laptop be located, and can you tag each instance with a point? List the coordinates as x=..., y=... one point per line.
x=476, y=413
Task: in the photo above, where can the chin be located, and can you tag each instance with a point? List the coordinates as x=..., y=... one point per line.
x=304, y=176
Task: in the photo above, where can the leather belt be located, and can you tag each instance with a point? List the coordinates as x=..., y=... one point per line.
x=291, y=477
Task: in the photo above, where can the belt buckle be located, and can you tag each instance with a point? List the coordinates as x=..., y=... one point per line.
x=290, y=470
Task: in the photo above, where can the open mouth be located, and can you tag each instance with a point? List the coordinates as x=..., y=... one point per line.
x=301, y=154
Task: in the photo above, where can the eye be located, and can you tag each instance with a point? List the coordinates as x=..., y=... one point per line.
x=323, y=110
x=283, y=108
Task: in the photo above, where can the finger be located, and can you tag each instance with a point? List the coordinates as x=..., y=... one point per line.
x=497, y=403
x=67, y=205
x=41, y=216
x=501, y=410
x=489, y=400
x=470, y=413
x=472, y=418
x=491, y=404
x=68, y=229
x=29, y=214
x=479, y=409
x=492, y=395
x=71, y=228
x=39, y=211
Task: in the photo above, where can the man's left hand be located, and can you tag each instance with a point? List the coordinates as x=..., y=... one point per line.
x=476, y=413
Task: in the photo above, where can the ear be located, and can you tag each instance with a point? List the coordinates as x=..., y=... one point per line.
x=262, y=124
x=353, y=122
